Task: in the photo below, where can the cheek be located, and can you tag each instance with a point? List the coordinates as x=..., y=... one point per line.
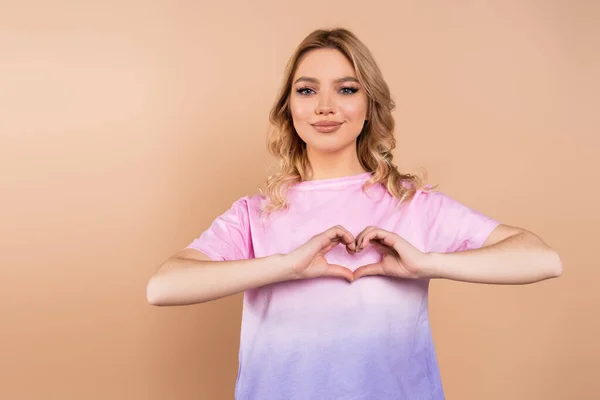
x=355, y=111
x=301, y=110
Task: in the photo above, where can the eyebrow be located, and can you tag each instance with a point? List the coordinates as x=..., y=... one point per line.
x=316, y=81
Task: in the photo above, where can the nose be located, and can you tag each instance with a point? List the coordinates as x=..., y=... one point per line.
x=325, y=105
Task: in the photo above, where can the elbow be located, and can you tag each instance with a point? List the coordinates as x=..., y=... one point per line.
x=554, y=264
x=155, y=293
x=159, y=290
x=558, y=269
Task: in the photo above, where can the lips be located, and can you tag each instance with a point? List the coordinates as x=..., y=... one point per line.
x=327, y=123
x=327, y=126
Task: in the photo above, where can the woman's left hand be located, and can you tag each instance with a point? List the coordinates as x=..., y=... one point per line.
x=400, y=259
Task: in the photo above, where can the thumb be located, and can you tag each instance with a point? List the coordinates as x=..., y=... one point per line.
x=338, y=271
x=369, y=269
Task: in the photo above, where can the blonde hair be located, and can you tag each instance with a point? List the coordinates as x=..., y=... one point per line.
x=374, y=144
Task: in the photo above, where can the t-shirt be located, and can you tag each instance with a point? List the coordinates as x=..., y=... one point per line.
x=327, y=338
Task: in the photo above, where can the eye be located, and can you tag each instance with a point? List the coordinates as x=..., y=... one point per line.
x=305, y=91
x=348, y=90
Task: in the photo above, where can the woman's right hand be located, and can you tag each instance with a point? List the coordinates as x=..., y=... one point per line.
x=308, y=261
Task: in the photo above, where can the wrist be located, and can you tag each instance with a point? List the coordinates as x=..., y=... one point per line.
x=285, y=267
x=432, y=267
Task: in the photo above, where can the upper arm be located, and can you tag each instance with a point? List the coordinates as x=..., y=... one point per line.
x=228, y=237
x=500, y=233
x=192, y=254
x=450, y=226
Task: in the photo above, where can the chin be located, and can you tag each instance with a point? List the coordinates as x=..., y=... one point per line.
x=326, y=149
x=329, y=145
x=327, y=142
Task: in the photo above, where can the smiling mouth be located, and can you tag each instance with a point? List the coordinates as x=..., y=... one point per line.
x=327, y=126
x=326, y=123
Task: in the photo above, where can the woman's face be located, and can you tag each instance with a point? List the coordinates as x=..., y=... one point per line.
x=328, y=105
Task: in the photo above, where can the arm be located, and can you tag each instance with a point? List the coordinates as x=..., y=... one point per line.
x=510, y=255
x=190, y=277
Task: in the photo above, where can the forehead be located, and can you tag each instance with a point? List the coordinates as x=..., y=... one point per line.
x=325, y=64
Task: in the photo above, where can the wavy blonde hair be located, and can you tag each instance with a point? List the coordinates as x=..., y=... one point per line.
x=374, y=144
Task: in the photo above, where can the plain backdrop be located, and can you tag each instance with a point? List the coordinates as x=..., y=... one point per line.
x=127, y=126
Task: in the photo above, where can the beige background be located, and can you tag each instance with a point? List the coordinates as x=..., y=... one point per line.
x=126, y=127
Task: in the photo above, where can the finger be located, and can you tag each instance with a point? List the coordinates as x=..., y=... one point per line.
x=328, y=248
x=361, y=235
x=345, y=230
x=348, y=240
x=384, y=237
x=330, y=244
x=369, y=269
x=380, y=247
x=338, y=271
x=363, y=232
x=373, y=234
x=342, y=235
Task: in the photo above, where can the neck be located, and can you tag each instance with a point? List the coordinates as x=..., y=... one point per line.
x=329, y=165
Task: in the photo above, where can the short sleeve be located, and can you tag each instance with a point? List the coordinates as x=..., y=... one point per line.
x=228, y=238
x=451, y=226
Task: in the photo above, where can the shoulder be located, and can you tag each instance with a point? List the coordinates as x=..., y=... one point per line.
x=248, y=205
x=430, y=200
x=432, y=204
x=253, y=201
x=447, y=224
x=431, y=195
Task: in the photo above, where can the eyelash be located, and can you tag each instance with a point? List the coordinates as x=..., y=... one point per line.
x=350, y=90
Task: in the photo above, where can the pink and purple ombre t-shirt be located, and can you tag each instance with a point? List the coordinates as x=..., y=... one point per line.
x=326, y=338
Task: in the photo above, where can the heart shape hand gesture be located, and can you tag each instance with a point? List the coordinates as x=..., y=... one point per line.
x=399, y=259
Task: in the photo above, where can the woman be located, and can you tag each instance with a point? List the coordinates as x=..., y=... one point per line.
x=335, y=257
